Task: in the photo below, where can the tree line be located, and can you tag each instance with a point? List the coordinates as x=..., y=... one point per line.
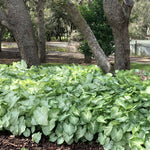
x=15, y=16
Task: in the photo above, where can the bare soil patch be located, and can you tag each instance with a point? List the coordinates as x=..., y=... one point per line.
x=11, y=142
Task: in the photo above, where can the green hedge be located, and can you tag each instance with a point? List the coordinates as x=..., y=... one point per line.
x=72, y=103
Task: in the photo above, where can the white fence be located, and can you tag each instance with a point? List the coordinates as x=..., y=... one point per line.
x=140, y=47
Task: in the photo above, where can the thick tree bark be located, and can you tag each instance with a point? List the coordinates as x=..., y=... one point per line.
x=41, y=29
x=88, y=35
x=18, y=21
x=118, y=17
x=2, y=31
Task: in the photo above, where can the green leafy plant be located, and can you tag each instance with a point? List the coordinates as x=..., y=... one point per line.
x=75, y=103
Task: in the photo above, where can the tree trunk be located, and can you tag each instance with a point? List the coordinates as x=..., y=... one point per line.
x=122, y=48
x=87, y=59
x=84, y=28
x=2, y=31
x=41, y=29
x=118, y=17
x=18, y=21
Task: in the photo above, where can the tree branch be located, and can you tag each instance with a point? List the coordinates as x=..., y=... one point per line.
x=128, y=3
x=127, y=7
x=78, y=20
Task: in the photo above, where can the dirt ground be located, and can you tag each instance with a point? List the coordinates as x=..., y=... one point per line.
x=7, y=57
x=11, y=142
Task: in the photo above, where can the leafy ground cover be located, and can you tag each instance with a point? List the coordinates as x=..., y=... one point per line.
x=76, y=104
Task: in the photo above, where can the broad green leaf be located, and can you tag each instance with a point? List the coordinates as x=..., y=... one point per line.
x=69, y=128
x=53, y=137
x=116, y=135
x=74, y=120
x=21, y=125
x=147, y=144
x=122, y=119
x=115, y=113
x=6, y=120
x=108, y=129
x=27, y=132
x=108, y=144
x=68, y=139
x=63, y=116
x=76, y=112
x=86, y=116
x=80, y=132
x=33, y=129
x=101, y=119
x=125, y=127
x=121, y=102
x=36, y=137
x=89, y=78
x=41, y=115
x=60, y=140
x=1, y=126
x=135, y=129
x=11, y=98
x=89, y=136
x=2, y=111
x=136, y=142
x=147, y=91
x=102, y=138
x=59, y=130
x=115, y=122
x=98, y=101
x=14, y=114
x=23, y=65
x=33, y=122
x=14, y=129
x=47, y=129
x=93, y=127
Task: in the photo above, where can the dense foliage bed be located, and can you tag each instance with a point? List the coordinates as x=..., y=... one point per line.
x=75, y=103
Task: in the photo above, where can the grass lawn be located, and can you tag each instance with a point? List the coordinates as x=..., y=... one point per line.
x=146, y=67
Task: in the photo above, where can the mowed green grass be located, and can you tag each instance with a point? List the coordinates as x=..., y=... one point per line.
x=146, y=67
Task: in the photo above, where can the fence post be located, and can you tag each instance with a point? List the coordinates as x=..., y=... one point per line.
x=135, y=48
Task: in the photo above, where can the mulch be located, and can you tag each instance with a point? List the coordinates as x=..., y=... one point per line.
x=11, y=142
x=7, y=57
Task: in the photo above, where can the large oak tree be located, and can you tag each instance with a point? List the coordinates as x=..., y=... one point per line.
x=118, y=14
x=16, y=18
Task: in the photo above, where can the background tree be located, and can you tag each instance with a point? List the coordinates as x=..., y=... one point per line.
x=140, y=19
x=94, y=15
x=36, y=10
x=58, y=24
x=87, y=33
x=2, y=31
x=41, y=29
x=118, y=15
x=18, y=21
